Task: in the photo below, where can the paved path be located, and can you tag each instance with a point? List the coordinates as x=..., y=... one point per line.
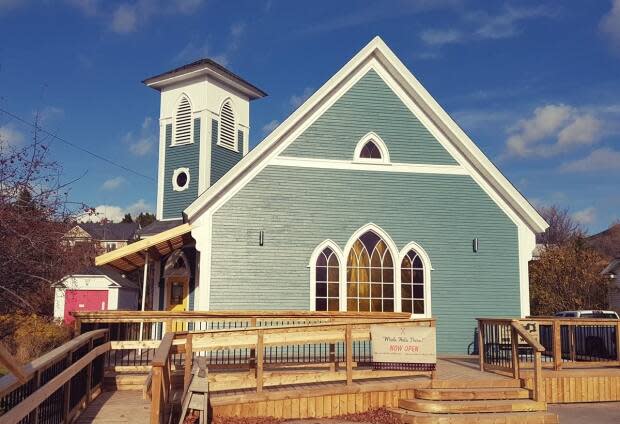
x=593, y=413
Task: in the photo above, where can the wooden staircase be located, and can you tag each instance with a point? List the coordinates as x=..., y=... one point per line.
x=452, y=403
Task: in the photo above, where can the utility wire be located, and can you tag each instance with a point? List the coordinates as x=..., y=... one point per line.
x=75, y=146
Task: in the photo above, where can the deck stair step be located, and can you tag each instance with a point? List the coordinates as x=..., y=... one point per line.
x=472, y=406
x=124, y=381
x=474, y=384
x=411, y=417
x=483, y=393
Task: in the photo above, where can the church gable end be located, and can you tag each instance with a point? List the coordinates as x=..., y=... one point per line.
x=369, y=105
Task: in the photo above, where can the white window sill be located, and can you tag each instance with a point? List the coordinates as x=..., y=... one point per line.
x=181, y=144
x=223, y=146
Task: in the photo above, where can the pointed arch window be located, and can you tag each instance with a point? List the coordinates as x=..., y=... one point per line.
x=227, y=137
x=370, y=151
x=183, y=122
x=413, y=289
x=370, y=275
x=327, y=273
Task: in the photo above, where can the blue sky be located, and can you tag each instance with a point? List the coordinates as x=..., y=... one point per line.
x=535, y=84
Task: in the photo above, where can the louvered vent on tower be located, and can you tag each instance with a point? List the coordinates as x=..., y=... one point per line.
x=183, y=122
x=227, y=126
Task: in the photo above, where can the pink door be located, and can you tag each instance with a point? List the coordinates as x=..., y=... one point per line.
x=84, y=300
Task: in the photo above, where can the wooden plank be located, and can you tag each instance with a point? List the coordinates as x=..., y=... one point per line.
x=12, y=365
x=349, y=353
x=260, y=360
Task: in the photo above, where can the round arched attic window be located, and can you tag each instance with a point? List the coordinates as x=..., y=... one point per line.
x=180, y=179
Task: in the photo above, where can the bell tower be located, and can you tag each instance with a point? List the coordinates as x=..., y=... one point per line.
x=204, y=129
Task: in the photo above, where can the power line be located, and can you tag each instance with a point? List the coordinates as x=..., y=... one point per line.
x=75, y=146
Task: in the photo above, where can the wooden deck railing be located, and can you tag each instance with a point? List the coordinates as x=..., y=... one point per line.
x=275, y=356
x=58, y=384
x=134, y=335
x=501, y=342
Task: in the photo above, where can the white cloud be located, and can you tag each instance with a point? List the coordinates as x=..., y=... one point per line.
x=599, y=160
x=553, y=129
x=88, y=7
x=482, y=25
x=586, y=216
x=116, y=213
x=505, y=24
x=270, y=126
x=10, y=136
x=296, y=100
x=198, y=50
x=124, y=19
x=112, y=183
x=438, y=37
x=610, y=24
x=142, y=143
x=50, y=114
x=7, y=5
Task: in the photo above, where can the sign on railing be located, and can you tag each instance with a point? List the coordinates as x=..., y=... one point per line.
x=404, y=347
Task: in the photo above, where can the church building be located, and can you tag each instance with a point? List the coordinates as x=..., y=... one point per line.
x=368, y=197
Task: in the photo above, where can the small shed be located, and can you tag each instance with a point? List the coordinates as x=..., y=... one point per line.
x=94, y=289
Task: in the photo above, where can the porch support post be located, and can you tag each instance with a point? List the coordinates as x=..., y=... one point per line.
x=144, y=282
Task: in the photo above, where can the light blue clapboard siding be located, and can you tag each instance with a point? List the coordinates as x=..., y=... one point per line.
x=370, y=105
x=222, y=159
x=298, y=208
x=182, y=156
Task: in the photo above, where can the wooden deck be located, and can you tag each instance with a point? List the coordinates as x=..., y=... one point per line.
x=123, y=406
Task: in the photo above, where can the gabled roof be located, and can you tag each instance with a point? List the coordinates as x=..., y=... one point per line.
x=380, y=54
x=612, y=267
x=606, y=242
x=205, y=66
x=110, y=231
x=157, y=227
x=105, y=271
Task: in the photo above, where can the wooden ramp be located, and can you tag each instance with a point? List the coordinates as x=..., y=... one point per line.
x=123, y=406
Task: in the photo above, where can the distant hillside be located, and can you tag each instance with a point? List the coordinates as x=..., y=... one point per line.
x=607, y=242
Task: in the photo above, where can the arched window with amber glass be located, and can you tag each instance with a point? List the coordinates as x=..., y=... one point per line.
x=327, y=277
x=370, y=275
x=412, y=283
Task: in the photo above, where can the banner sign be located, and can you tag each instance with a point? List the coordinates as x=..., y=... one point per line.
x=403, y=345
x=532, y=328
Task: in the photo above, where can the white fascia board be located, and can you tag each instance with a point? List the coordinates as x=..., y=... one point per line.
x=375, y=51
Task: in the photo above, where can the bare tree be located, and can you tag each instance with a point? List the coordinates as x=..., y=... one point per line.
x=562, y=227
x=35, y=213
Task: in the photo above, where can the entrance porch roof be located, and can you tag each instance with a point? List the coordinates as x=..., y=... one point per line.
x=133, y=256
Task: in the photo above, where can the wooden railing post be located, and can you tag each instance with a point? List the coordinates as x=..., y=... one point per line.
x=572, y=340
x=481, y=344
x=557, y=345
x=67, y=390
x=260, y=352
x=156, y=393
x=332, y=357
x=349, y=351
x=538, y=376
x=252, y=360
x=189, y=360
x=89, y=375
x=514, y=338
x=618, y=341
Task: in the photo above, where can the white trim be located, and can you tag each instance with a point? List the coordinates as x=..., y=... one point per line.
x=170, y=271
x=219, y=126
x=378, y=141
x=204, y=158
x=378, y=56
x=393, y=251
x=428, y=267
x=202, y=233
x=161, y=163
x=365, y=166
x=527, y=244
x=342, y=285
x=175, y=174
x=173, y=142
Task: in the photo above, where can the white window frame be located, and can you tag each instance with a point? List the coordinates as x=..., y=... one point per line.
x=342, y=287
x=426, y=264
x=175, y=174
x=219, y=127
x=173, y=142
x=378, y=141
